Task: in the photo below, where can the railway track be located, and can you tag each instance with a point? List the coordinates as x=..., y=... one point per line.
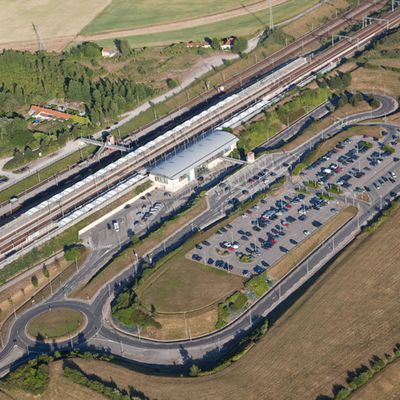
x=39, y=225
x=264, y=66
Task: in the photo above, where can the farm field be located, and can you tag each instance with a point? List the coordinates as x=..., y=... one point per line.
x=58, y=21
x=245, y=25
x=306, y=352
x=125, y=14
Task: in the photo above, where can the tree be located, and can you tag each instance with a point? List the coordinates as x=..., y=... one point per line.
x=171, y=83
x=45, y=271
x=239, y=45
x=123, y=47
x=73, y=252
x=215, y=43
x=34, y=280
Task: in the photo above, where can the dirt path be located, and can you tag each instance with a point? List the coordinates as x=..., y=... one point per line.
x=184, y=24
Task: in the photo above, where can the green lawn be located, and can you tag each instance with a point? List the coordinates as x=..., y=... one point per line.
x=240, y=26
x=127, y=14
x=55, y=323
x=184, y=285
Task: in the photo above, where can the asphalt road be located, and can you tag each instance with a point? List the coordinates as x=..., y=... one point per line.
x=99, y=334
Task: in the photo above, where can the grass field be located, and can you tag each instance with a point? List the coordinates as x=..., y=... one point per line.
x=173, y=288
x=389, y=81
x=246, y=25
x=54, y=19
x=347, y=316
x=57, y=323
x=125, y=14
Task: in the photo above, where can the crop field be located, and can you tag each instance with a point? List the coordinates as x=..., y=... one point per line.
x=347, y=316
x=58, y=21
x=125, y=14
x=245, y=25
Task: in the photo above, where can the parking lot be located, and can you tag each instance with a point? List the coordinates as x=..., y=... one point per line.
x=358, y=165
x=264, y=233
x=136, y=218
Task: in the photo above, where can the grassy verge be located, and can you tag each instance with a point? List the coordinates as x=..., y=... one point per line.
x=319, y=125
x=46, y=173
x=54, y=324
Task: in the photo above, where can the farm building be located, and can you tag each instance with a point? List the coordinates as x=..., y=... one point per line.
x=204, y=45
x=42, y=113
x=189, y=163
x=227, y=44
x=108, y=52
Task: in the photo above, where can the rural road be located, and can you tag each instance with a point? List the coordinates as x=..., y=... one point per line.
x=99, y=334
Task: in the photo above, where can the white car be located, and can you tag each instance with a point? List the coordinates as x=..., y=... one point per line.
x=116, y=226
x=306, y=232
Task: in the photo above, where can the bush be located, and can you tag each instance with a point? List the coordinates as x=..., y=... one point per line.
x=34, y=280
x=73, y=252
x=171, y=83
x=194, y=370
x=33, y=377
x=45, y=272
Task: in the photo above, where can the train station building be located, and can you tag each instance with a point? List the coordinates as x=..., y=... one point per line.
x=190, y=162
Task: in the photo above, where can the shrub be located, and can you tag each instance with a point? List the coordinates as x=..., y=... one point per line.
x=32, y=377
x=73, y=252
x=34, y=280
x=45, y=271
x=171, y=83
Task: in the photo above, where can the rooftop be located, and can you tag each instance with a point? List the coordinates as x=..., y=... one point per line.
x=197, y=153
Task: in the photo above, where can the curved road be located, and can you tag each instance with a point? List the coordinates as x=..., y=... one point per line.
x=100, y=335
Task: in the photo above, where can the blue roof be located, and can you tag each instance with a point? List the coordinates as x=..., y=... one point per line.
x=194, y=155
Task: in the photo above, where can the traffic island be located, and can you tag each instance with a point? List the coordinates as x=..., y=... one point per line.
x=56, y=325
